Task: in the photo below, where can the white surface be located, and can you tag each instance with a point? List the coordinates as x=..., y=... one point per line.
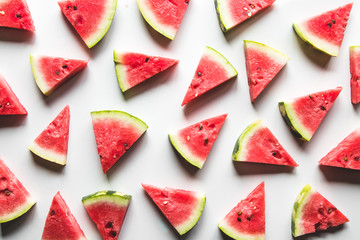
x=157, y=102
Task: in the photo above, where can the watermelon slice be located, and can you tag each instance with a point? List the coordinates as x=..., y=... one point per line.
x=181, y=207
x=52, y=143
x=51, y=72
x=195, y=141
x=325, y=32
x=107, y=209
x=134, y=68
x=312, y=212
x=247, y=219
x=213, y=70
x=115, y=132
x=16, y=14
x=90, y=18
x=60, y=223
x=304, y=114
x=262, y=65
x=9, y=103
x=355, y=74
x=164, y=16
x=346, y=154
x=257, y=144
x=14, y=198
x=233, y=12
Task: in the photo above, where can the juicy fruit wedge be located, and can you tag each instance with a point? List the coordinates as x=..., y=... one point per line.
x=51, y=72
x=164, y=16
x=233, y=12
x=257, y=144
x=52, y=143
x=181, y=207
x=355, y=74
x=212, y=70
x=247, y=219
x=16, y=14
x=90, y=18
x=107, y=209
x=15, y=200
x=325, y=32
x=134, y=68
x=115, y=132
x=262, y=65
x=312, y=212
x=9, y=103
x=304, y=114
x=195, y=141
x=60, y=223
x=346, y=154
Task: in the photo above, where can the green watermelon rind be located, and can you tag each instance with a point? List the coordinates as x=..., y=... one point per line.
x=218, y=57
x=47, y=154
x=117, y=198
x=44, y=88
x=229, y=231
x=120, y=72
x=19, y=212
x=269, y=51
x=225, y=23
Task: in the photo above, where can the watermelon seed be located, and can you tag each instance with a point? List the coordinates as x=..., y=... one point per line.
x=317, y=226
x=100, y=156
x=147, y=59
x=52, y=212
x=239, y=213
x=187, y=1
x=3, y=178
x=206, y=141
x=188, y=138
x=249, y=218
x=329, y=24
x=356, y=158
x=165, y=202
x=274, y=154
x=2, y=12
x=18, y=15
x=64, y=66
x=69, y=6
x=199, y=74
x=333, y=21
x=201, y=127
x=252, y=5
x=0, y=106
x=322, y=108
x=112, y=234
x=345, y=158
x=57, y=72
x=109, y=225
x=7, y=192
x=239, y=219
x=331, y=209
x=310, y=96
x=75, y=7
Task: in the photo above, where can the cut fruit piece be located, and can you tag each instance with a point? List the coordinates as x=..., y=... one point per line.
x=60, y=223
x=15, y=200
x=52, y=143
x=16, y=14
x=115, y=132
x=355, y=74
x=181, y=207
x=90, y=18
x=164, y=16
x=304, y=114
x=195, y=142
x=312, y=213
x=346, y=154
x=107, y=209
x=257, y=144
x=213, y=70
x=325, y=32
x=134, y=68
x=9, y=103
x=233, y=12
x=247, y=219
x=52, y=72
x=262, y=65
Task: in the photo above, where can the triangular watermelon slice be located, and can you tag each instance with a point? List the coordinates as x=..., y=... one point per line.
x=60, y=223
x=90, y=18
x=134, y=68
x=195, y=141
x=164, y=16
x=346, y=154
x=107, y=209
x=212, y=70
x=233, y=12
x=182, y=208
x=304, y=114
x=257, y=144
x=262, y=65
x=355, y=74
x=247, y=219
x=16, y=14
x=52, y=72
x=312, y=213
x=9, y=103
x=15, y=200
x=115, y=132
x=325, y=32
x=52, y=143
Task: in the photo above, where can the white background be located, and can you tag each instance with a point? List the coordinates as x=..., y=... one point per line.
x=157, y=102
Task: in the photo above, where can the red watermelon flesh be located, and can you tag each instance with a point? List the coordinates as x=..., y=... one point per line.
x=16, y=14
x=9, y=103
x=346, y=154
x=15, y=200
x=355, y=74
x=195, y=141
x=182, y=208
x=247, y=219
x=134, y=68
x=60, y=223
